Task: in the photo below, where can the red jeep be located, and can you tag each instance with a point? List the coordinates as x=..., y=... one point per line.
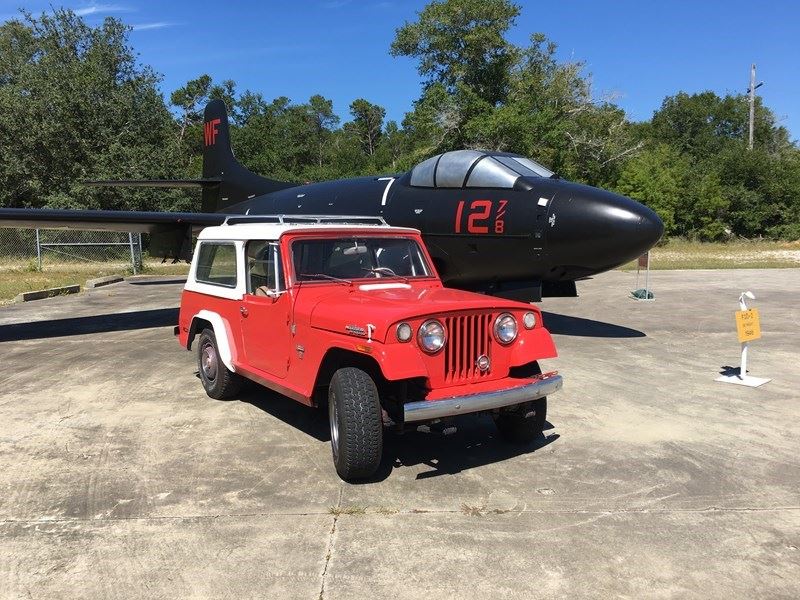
x=352, y=310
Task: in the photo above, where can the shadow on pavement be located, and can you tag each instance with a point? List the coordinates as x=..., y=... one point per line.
x=578, y=326
x=170, y=281
x=311, y=421
x=475, y=444
x=126, y=321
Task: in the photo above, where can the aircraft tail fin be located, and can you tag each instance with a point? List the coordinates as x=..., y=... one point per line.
x=225, y=180
x=236, y=182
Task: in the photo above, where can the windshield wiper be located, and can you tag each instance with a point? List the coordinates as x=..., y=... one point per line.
x=385, y=271
x=325, y=276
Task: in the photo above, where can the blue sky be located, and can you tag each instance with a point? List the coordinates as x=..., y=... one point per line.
x=639, y=52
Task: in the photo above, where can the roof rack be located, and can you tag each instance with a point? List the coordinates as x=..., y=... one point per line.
x=320, y=219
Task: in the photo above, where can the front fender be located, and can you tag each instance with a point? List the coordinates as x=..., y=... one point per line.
x=396, y=361
x=535, y=344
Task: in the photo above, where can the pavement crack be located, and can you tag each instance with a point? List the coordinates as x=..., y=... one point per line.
x=338, y=512
x=329, y=550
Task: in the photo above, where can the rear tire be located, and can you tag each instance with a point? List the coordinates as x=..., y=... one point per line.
x=354, y=411
x=219, y=382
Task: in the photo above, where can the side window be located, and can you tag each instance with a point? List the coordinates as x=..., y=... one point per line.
x=264, y=268
x=216, y=264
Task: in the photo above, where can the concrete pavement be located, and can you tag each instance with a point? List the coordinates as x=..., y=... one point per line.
x=119, y=477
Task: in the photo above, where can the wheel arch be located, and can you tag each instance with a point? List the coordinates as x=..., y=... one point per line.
x=336, y=358
x=222, y=331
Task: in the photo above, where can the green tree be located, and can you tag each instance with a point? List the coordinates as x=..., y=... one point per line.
x=462, y=41
x=77, y=105
x=190, y=99
x=705, y=123
x=367, y=123
x=321, y=120
x=656, y=177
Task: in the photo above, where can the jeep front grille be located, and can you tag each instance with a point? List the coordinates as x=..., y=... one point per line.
x=468, y=337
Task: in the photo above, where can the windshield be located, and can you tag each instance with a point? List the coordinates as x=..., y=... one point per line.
x=524, y=166
x=358, y=258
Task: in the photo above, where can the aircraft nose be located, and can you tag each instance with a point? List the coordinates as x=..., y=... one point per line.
x=594, y=230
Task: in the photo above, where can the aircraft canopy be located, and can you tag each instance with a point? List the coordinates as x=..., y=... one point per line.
x=475, y=169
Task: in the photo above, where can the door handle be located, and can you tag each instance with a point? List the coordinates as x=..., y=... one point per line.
x=243, y=310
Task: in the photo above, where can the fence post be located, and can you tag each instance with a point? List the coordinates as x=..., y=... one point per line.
x=38, y=252
x=133, y=253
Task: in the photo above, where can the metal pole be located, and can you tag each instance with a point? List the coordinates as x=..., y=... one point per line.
x=133, y=252
x=752, y=91
x=743, y=365
x=647, y=278
x=38, y=252
x=743, y=368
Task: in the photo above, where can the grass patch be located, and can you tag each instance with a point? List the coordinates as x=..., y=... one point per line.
x=684, y=254
x=18, y=276
x=347, y=510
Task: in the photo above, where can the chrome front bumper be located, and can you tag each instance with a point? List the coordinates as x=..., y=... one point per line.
x=425, y=410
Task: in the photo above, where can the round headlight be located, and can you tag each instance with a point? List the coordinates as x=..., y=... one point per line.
x=431, y=336
x=505, y=328
x=404, y=332
x=529, y=320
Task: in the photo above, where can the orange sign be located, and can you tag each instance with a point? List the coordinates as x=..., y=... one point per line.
x=644, y=260
x=747, y=325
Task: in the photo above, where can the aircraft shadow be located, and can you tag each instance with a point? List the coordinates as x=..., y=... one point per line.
x=126, y=321
x=559, y=324
x=475, y=444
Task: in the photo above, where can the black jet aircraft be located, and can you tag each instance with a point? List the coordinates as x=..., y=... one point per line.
x=494, y=222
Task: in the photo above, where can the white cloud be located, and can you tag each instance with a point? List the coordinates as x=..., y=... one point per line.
x=94, y=9
x=156, y=25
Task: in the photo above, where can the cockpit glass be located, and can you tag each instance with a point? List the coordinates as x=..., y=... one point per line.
x=489, y=173
x=525, y=166
x=475, y=168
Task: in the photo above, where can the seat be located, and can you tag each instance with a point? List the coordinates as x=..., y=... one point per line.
x=257, y=268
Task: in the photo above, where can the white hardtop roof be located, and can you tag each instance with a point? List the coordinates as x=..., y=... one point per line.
x=272, y=227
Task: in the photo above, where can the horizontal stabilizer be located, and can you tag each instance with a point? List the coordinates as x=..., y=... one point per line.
x=104, y=220
x=157, y=183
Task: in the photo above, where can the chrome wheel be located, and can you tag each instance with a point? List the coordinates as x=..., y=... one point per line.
x=333, y=416
x=209, y=362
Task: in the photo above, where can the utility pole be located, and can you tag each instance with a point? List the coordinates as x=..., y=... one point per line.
x=752, y=91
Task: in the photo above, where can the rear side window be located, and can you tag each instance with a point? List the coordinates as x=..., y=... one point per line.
x=216, y=264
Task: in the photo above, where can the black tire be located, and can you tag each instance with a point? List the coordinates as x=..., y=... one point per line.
x=218, y=381
x=354, y=411
x=523, y=423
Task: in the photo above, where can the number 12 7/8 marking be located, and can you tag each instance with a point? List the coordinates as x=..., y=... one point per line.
x=479, y=215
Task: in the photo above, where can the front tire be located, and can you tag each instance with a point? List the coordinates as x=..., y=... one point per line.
x=523, y=423
x=354, y=411
x=219, y=382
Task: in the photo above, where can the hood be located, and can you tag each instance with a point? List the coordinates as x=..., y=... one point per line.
x=381, y=305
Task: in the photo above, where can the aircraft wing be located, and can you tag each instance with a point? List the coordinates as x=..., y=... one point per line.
x=106, y=220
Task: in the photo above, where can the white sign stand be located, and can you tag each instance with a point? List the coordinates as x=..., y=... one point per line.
x=643, y=261
x=743, y=378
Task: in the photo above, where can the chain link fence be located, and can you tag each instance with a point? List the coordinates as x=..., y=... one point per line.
x=47, y=249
